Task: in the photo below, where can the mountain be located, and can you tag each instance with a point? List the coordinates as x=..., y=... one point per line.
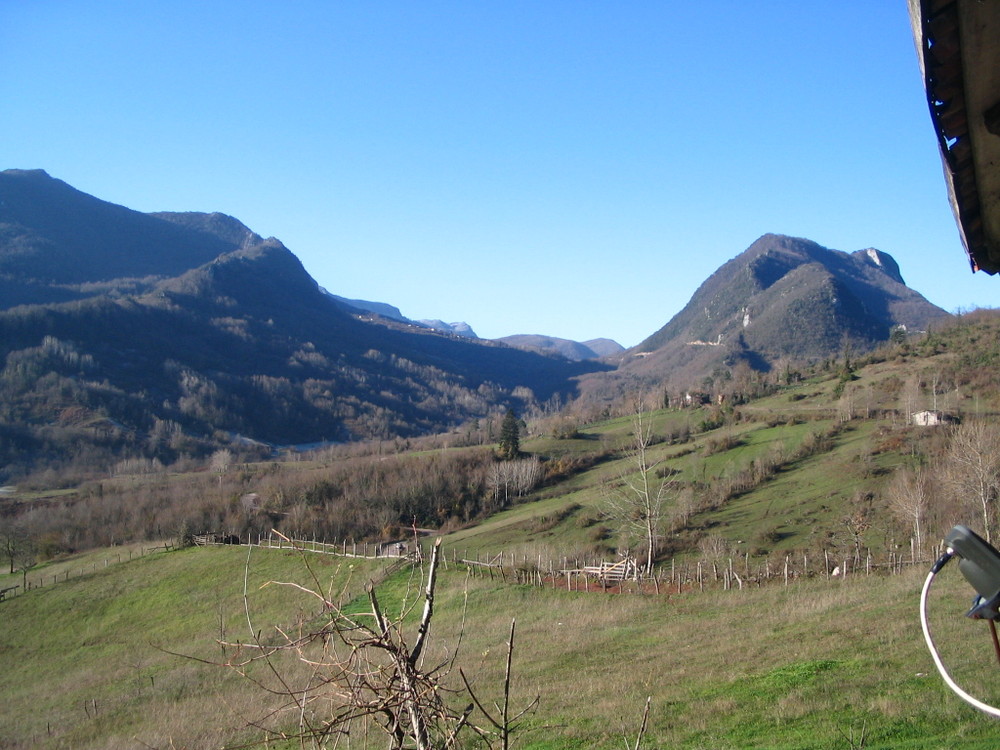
x=456, y=329
x=379, y=308
x=783, y=298
x=163, y=335
x=393, y=313
x=604, y=347
x=572, y=350
x=172, y=334
x=54, y=238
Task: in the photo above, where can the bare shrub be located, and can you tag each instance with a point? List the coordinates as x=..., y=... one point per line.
x=349, y=675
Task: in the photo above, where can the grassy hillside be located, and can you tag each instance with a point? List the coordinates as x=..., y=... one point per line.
x=87, y=662
x=800, y=507
x=818, y=664
x=804, y=469
x=804, y=472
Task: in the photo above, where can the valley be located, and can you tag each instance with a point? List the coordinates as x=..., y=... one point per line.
x=798, y=481
x=317, y=429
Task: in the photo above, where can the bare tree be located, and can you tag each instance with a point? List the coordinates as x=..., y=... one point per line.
x=974, y=468
x=713, y=549
x=220, y=463
x=517, y=476
x=16, y=545
x=360, y=676
x=858, y=521
x=498, y=482
x=910, y=397
x=845, y=405
x=503, y=723
x=638, y=499
x=221, y=460
x=935, y=382
x=685, y=506
x=528, y=473
x=909, y=498
x=629, y=745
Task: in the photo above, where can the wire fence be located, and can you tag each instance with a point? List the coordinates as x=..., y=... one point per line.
x=622, y=575
x=37, y=579
x=678, y=575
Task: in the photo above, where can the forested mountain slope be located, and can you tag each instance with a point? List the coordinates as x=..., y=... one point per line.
x=175, y=334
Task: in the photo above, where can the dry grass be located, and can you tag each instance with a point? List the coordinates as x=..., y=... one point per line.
x=806, y=666
x=88, y=663
x=759, y=668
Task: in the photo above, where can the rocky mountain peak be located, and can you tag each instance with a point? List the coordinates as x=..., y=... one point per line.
x=787, y=297
x=882, y=261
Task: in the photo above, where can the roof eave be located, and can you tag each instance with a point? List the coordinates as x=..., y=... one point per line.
x=958, y=46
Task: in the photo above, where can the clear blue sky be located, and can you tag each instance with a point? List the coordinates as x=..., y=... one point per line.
x=568, y=167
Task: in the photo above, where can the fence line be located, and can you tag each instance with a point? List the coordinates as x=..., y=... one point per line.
x=40, y=579
x=622, y=575
x=685, y=574
x=399, y=550
x=276, y=540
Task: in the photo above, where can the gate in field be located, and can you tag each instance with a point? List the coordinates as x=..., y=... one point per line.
x=613, y=572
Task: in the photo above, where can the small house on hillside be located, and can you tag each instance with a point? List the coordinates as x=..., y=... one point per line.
x=696, y=398
x=931, y=418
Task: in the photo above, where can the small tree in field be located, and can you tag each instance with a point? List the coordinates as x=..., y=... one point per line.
x=16, y=546
x=639, y=499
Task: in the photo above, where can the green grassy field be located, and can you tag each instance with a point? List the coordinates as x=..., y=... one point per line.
x=87, y=662
x=820, y=663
